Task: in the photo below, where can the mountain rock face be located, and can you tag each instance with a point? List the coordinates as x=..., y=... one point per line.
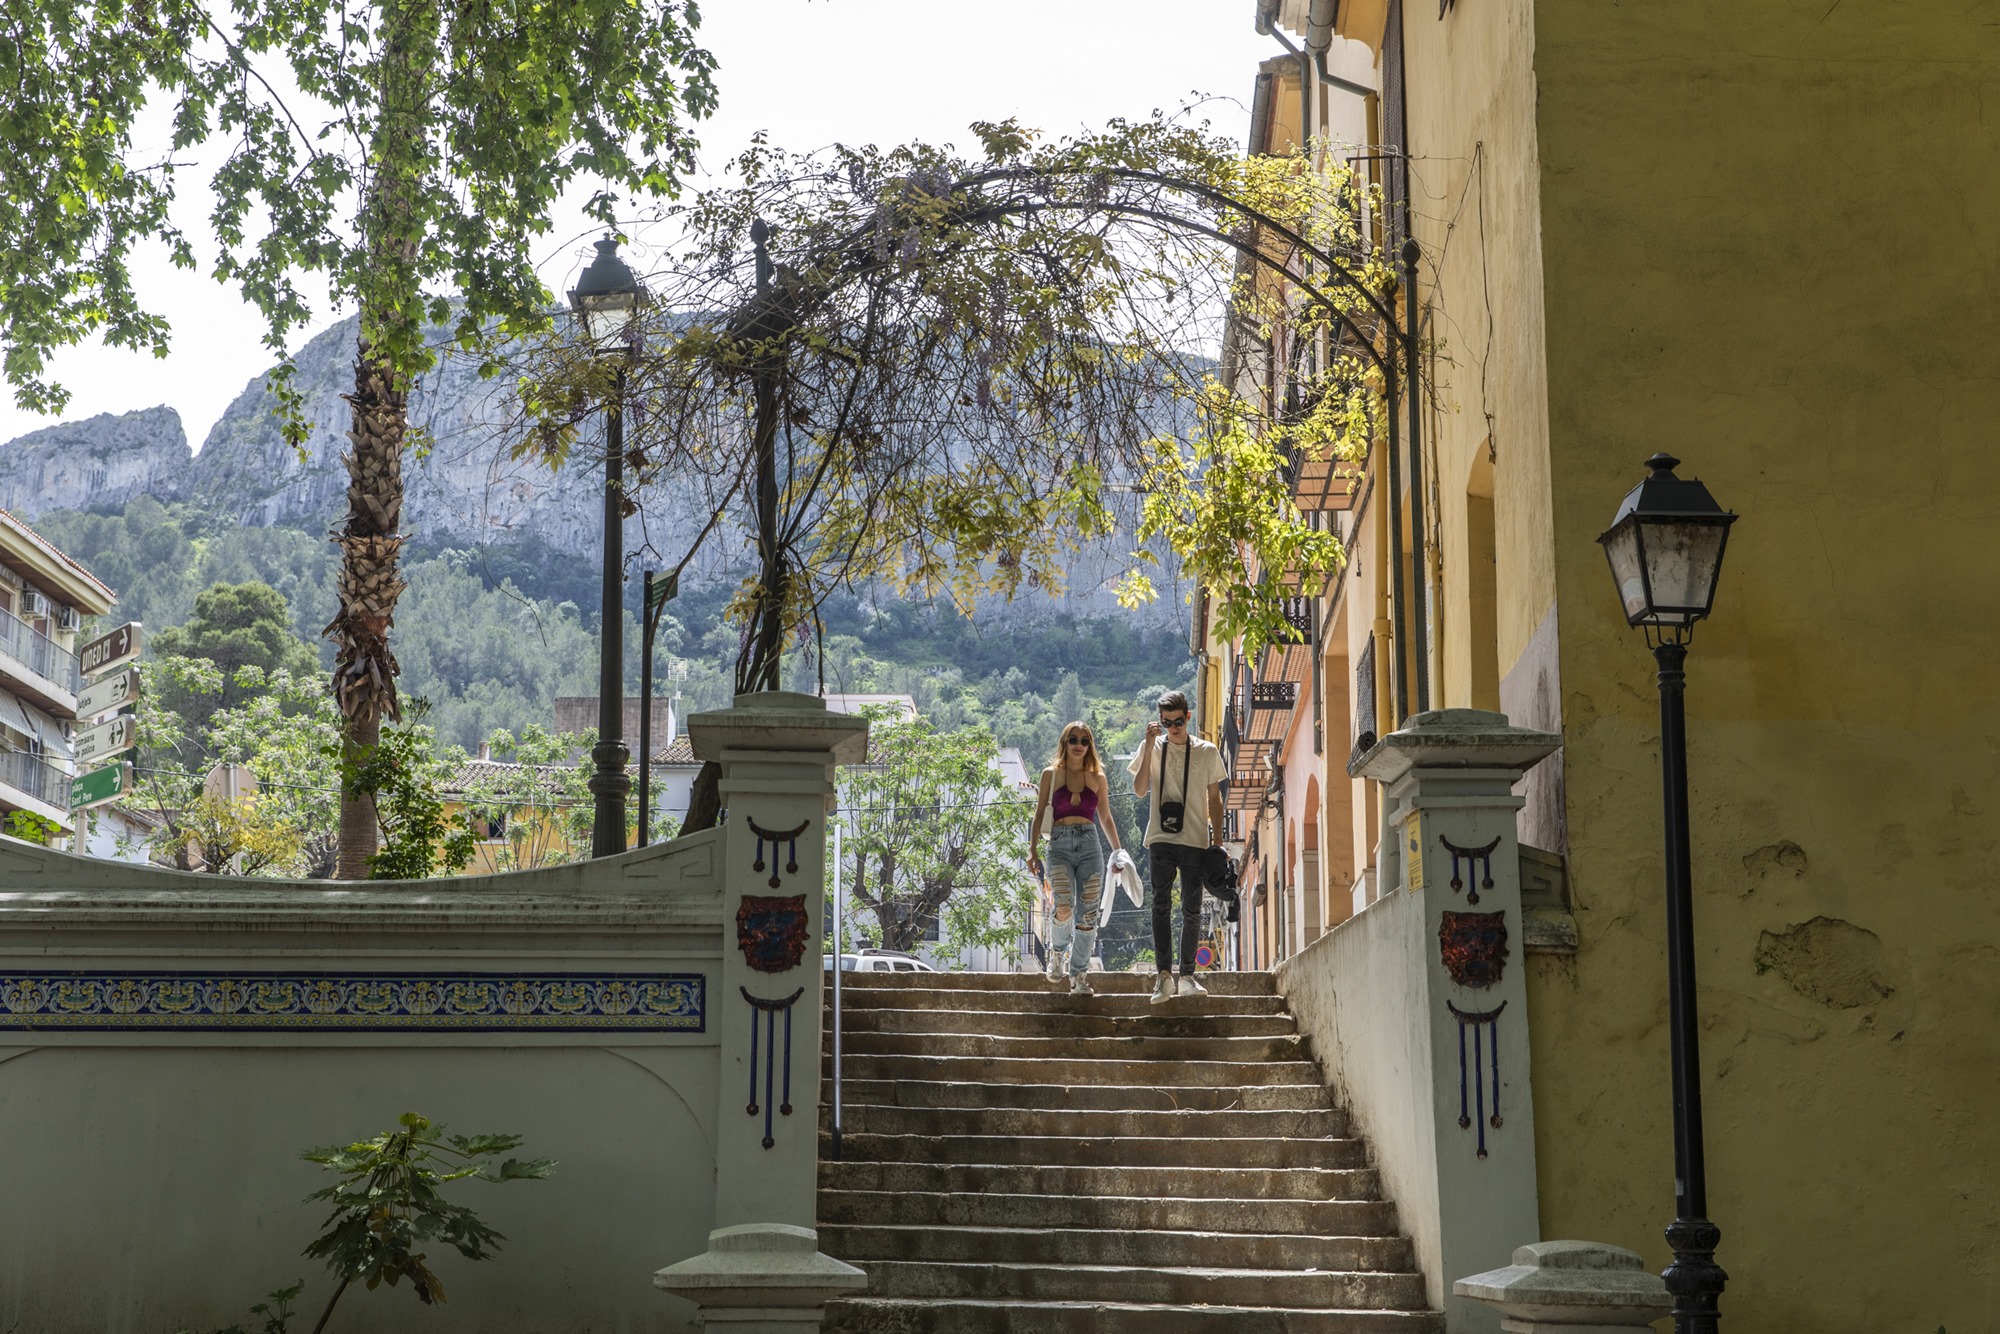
x=106, y=460
x=463, y=492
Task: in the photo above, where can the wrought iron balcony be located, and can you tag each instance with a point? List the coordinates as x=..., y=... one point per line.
x=1298, y=620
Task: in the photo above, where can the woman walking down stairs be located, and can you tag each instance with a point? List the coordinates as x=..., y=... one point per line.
x=1022, y=1161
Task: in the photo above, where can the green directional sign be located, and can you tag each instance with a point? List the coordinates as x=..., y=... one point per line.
x=99, y=786
x=663, y=590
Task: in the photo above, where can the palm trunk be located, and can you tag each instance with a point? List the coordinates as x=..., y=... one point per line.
x=364, y=672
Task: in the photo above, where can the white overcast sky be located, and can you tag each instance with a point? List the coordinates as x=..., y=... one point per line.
x=811, y=72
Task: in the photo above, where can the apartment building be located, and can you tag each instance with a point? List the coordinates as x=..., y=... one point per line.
x=44, y=598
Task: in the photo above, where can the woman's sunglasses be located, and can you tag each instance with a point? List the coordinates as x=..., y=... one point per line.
x=1077, y=740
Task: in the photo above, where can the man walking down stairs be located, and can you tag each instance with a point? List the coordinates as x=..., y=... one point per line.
x=1020, y=1160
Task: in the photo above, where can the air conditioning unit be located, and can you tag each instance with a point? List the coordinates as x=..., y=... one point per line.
x=34, y=603
x=69, y=620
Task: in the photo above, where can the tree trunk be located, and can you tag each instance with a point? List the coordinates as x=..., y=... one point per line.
x=364, y=671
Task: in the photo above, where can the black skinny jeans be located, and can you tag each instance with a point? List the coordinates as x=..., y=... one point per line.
x=1167, y=858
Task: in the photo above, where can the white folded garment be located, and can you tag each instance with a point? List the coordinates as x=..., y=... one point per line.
x=1125, y=871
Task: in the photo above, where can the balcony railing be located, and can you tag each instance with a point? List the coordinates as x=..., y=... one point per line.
x=1298, y=620
x=38, y=653
x=42, y=781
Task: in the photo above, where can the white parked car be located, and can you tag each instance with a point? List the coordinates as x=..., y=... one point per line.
x=877, y=961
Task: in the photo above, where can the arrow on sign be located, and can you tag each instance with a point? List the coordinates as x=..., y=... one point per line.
x=108, y=651
x=100, y=785
x=108, y=695
x=107, y=738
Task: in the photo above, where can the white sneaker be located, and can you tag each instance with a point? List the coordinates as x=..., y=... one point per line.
x=1163, y=988
x=1189, y=987
x=1055, y=971
x=1079, y=985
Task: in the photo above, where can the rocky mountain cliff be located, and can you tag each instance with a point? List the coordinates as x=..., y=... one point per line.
x=106, y=460
x=465, y=492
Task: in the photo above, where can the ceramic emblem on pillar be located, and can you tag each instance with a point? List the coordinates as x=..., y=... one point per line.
x=771, y=931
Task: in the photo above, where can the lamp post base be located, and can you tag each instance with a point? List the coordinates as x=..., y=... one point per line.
x=1694, y=1279
x=609, y=785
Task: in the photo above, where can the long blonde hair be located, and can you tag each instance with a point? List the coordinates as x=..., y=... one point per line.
x=1061, y=761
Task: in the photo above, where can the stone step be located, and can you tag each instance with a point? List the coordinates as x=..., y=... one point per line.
x=1072, y=1069
x=887, y=1315
x=855, y=1172
x=932, y=1046
x=1135, y=984
x=1181, y=1286
x=1082, y=1097
x=1176, y=1151
x=1053, y=998
x=983, y=1045
x=1113, y=1246
x=995, y=1207
x=1086, y=1125
x=1082, y=1020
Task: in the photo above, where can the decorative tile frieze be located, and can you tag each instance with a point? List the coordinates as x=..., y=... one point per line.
x=418, y=1001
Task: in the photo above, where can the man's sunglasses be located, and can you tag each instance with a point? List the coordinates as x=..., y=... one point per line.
x=1173, y=722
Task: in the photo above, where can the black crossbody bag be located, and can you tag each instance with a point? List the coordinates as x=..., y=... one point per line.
x=1173, y=814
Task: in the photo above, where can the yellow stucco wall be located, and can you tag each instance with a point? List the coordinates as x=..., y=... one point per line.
x=1478, y=217
x=1772, y=247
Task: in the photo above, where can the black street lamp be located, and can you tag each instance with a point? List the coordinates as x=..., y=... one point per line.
x=607, y=300
x=1665, y=549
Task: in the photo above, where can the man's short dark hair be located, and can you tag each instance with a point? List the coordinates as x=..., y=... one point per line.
x=1172, y=699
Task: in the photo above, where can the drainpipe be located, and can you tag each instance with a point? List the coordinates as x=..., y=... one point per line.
x=1259, y=141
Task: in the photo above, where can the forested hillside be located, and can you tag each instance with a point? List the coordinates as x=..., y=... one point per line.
x=490, y=635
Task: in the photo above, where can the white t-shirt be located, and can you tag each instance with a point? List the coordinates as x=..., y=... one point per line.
x=1204, y=766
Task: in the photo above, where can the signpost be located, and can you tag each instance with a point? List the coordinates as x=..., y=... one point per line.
x=119, y=734
x=100, y=786
x=108, y=695
x=107, y=739
x=108, y=651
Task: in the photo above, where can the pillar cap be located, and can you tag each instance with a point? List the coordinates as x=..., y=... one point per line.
x=1573, y=1283
x=761, y=1264
x=779, y=720
x=1457, y=739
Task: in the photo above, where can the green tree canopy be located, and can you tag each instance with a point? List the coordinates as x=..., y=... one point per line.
x=233, y=626
x=492, y=110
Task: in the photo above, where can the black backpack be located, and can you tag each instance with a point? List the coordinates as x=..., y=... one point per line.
x=1218, y=876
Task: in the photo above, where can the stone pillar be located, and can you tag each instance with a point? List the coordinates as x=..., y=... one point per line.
x=1571, y=1287
x=762, y=1273
x=1448, y=779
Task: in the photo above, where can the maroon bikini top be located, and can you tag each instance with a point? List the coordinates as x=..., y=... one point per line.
x=1074, y=805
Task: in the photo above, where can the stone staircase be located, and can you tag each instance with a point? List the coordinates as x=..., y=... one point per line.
x=1017, y=1160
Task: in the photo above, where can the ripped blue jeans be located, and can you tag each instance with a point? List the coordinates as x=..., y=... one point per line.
x=1076, y=880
